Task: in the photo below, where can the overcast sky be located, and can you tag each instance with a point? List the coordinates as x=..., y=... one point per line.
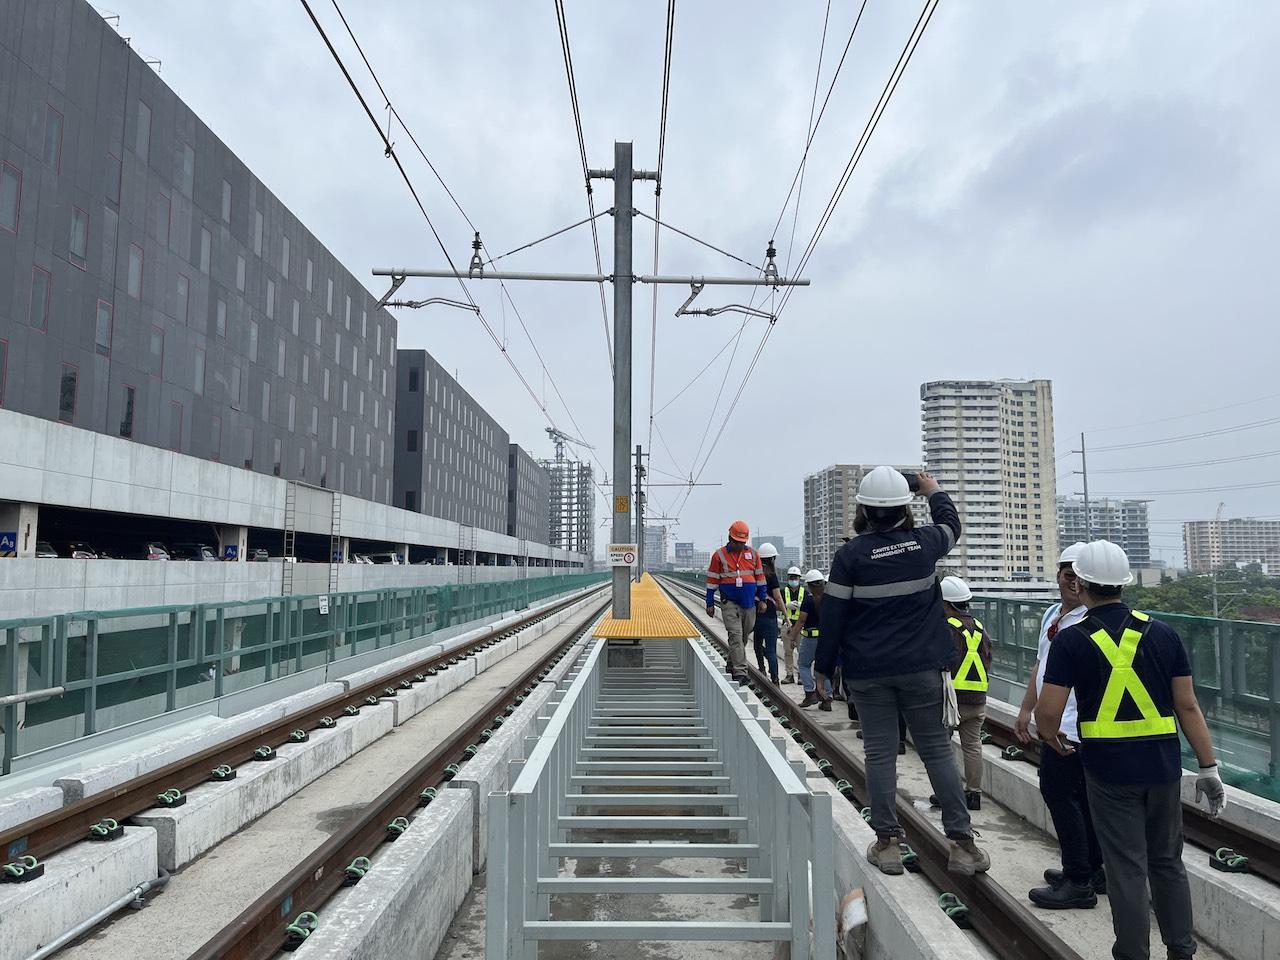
x=1086, y=192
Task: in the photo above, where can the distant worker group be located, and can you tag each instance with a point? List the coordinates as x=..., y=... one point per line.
x=1108, y=693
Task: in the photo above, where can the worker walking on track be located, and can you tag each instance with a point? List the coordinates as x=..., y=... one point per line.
x=807, y=632
x=882, y=621
x=969, y=677
x=792, y=596
x=1132, y=680
x=765, y=634
x=736, y=573
x=1082, y=877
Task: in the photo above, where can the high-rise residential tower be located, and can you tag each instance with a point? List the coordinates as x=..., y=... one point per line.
x=1120, y=521
x=1213, y=544
x=990, y=444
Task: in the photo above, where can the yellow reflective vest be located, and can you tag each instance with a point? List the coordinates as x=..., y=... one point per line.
x=1121, y=678
x=792, y=615
x=972, y=674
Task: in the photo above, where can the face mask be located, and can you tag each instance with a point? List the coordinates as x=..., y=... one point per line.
x=793, y=583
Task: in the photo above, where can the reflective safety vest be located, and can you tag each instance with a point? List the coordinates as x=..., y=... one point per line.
x=972, y=675
x=1122, y=678
x=793, y=615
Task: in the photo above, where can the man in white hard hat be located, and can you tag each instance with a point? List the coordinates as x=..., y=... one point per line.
x=806, y=632
x=1082, y=876
x=882, y=621
x=765, y=635
x=969, y=677
x=1132, y=680
x=792, y=596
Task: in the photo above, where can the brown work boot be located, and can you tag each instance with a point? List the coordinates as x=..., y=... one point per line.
x=886, y=854
x=810, y=698
x=967, y=858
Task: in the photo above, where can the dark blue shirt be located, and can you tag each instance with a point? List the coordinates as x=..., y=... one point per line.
x=770, y=585
x=1076, y=662
x=809, y=607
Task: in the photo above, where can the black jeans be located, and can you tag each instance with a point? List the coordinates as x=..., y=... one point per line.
x=1063, y=789
x=1140, y=830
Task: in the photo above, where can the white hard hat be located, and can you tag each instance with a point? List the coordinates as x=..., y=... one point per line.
x=1104, y=563
x=767, y=550
x=884, y=487
x=956, y=590
x=1072, y=552
x=793, y=571
x=814, y=576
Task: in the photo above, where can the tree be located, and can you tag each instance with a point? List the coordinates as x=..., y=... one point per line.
x=1239, y=591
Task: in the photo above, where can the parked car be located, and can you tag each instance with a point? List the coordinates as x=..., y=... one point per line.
x=78, y=550
x=258, y=554
x=44, y=550
x=387, y=556
x=360, y=558
x=148, y=550
x=192, y=551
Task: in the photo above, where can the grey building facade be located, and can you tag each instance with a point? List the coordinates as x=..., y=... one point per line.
x=1120, y=521
x=152, y=288
x=450, y=455
x=528, y=493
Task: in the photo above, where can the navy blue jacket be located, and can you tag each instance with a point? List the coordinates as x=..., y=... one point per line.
x=882, y=609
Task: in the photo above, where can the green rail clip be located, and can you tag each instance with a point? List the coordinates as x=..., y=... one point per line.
x=351, y=710
x=173, y=797
x=419, y=678
x=985, y=735
x=327, y=723
x=396, y=827
x=497, y=721
x=355, y=871
x=371, y=701
x=910, y=859
x=824, y=768
x=264, y=752
x=451, y=771
x=22, y=870
x=427, y=795
x=1228, y=861
x=299, y=736
x=406, y=684
x=954, y=908
x=106, y=829
x=865, y=813
x=809, y=748
x=469, y=751
x=486, y=736
x=222, y=773
x=297, y=932
x=845, y=788
x=1012, y=752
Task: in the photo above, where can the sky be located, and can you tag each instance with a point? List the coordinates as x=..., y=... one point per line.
x=1085, y=192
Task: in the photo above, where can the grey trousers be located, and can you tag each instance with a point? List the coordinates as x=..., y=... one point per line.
x=1139, y=828
x=738, y=623
x=919, y=697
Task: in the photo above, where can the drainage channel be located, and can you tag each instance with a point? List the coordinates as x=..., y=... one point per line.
x=654, y=806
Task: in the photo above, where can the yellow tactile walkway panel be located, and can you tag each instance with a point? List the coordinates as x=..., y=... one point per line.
x=653, y=617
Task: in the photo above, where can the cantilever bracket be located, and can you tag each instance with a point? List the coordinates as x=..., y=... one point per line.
x=396, y=280
x=695, y=288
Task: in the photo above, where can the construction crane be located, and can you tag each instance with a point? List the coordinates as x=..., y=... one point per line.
x=560, y=438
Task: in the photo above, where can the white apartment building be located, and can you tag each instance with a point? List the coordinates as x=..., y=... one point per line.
x=829, y=506
x=1120, y=521
x=1213, y=544
x=989, y=443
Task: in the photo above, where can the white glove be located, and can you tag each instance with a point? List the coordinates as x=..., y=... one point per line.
x=1209, y=784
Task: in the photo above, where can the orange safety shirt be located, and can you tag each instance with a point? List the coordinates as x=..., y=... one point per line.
x=738, y=575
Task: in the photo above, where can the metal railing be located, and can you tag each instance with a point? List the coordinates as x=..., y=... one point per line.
x=101, y=669
x=1235, y=665
x=629, y=736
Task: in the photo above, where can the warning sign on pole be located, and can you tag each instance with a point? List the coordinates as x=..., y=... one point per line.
x=621, y=504
x=622, y=554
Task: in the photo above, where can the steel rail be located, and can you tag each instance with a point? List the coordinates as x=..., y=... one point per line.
x=46, y=835
x=1000, y=919
x=1198, y=827
x=259, y=931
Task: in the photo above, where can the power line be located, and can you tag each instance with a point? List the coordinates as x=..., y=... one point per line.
x=1189, y=436
x=391, y=153
x=697, y=376
x=549, y=236
x=710, y=246
x=566, y=50
x=1185, y=416
x=813, y=102
x=1190, y=463
x=1169, y=493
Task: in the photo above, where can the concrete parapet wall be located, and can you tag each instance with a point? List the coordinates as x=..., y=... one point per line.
x=214, y=811
x=28, y=804
x=78, y=882
x=403, y=906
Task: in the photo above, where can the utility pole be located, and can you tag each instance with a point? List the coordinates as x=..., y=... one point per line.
x=623, y=176
x=1084, y=472
x=639, y=512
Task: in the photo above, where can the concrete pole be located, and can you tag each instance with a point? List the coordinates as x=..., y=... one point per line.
x=622, y=281
x=1084, y=472
x=639, y=503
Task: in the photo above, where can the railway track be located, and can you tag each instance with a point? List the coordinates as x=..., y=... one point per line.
x=999, y=918
x=261, y=929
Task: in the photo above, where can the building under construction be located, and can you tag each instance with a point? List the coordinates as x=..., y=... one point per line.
x=572, y=516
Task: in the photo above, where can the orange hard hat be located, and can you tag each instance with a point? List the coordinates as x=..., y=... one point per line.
x=739, y=531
